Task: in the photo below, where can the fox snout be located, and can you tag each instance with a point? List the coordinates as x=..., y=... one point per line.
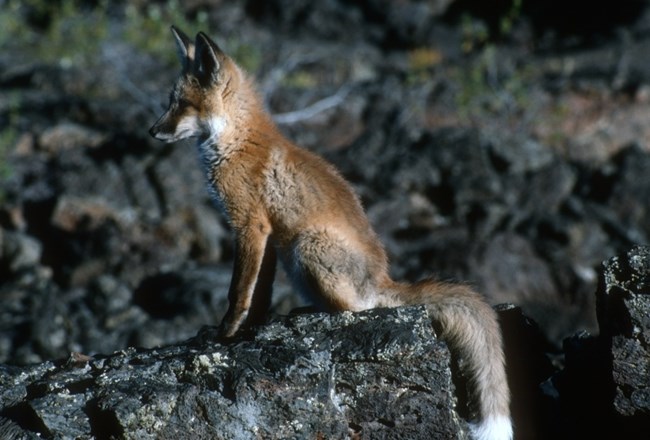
x=161, y=129
x=153, y=131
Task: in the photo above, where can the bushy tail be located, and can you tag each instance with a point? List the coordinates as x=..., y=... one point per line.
x=470, y=328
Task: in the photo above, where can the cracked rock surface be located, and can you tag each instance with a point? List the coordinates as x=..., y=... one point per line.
x=377, y=374
x=604, y=388
x=624, y=301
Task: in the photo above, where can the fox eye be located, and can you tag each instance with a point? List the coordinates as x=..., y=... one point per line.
x=184, y=103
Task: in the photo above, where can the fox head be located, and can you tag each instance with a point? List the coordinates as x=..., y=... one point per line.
x=196, y=102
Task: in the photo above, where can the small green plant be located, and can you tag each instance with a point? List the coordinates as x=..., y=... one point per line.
x=300, y=79
x=10, y=25
x=54, y=31
x=71, y=33
x=247, y=56
x=76, y=37
x=421, y=60
x=8, y=136
x=486, y=88
x=475, y=33
x=507, y=21
x=147, y=26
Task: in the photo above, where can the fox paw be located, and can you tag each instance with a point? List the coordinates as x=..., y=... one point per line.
x=209, y=334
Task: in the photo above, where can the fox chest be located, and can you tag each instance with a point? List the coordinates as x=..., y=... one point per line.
x=236, y=192
x=210, y=162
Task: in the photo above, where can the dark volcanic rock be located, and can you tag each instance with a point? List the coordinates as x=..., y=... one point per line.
x=624, y=316
x=390, y=23
x=527, y=366
x=377, y=374
x=604, y=389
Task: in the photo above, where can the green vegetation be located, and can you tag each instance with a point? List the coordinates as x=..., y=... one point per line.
x=486, y=87
x=300, y=79
x=247, y=56
x=8, y=135
x=476, y=33
x=421, y=60
x=508, y=19
x=72, y=32
x=61, y=32
x=147, y=27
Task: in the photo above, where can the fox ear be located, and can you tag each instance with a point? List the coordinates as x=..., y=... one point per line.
x=184, y=48
x=208, y=60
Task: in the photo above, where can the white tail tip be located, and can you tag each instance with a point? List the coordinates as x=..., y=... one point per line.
x=492, y=428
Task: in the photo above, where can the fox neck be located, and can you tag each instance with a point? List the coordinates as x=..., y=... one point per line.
x=214, y=128
x=242, y=122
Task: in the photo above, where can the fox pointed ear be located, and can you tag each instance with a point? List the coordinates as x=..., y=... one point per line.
x=184, y=48
x=209, y=60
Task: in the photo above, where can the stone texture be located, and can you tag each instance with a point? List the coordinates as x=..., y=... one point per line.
x=624, y=315
x=376, y=374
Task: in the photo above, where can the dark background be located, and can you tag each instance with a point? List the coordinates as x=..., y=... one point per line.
x=505, y=145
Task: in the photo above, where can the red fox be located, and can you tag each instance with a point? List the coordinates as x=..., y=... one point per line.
x=285, y=202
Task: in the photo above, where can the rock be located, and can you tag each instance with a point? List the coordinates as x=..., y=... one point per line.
x=604, y=388
x=375, y=374
x=624, y=317
x=68, y=135
x=73, y=214
x=583, y=390
x=384, y=21
x=40, y=319
x=18, y=250
x=630, y=192
x=527, y=366
x=510, y=271
x=11, y=431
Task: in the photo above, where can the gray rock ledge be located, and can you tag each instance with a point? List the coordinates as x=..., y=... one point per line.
x=376, y=374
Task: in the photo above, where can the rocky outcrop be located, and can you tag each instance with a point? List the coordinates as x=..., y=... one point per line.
x=377, y=374
x=603, y=389
x=624, y=316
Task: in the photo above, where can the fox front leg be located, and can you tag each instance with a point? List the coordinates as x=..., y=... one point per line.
x=250, y=288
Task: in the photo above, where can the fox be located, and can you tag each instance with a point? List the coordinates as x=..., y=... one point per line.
x=287, y=204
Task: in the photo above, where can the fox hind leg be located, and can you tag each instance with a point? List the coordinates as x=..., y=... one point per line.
x=329, y=273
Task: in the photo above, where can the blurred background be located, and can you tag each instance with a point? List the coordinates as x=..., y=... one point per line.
x=504, y=143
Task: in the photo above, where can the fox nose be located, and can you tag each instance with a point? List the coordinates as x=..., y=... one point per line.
x=153, y=131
